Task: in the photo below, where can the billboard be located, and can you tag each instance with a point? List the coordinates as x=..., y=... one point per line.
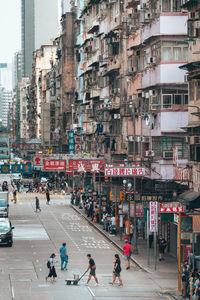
x=4, y=147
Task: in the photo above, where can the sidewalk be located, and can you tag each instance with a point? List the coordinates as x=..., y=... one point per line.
x=166, y=274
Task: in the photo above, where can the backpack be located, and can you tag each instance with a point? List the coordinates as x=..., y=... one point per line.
x=48, y=264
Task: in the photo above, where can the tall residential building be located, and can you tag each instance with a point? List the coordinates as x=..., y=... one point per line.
x=5, y=100
x=40, y=25
x=17, y=68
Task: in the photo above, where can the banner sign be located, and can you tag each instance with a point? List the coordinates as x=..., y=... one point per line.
x=38, y=161
x=153, y=216
x=71, y=141
x=54, y=165
x=16, y=168
x=27, y=169
x=170, y=207
x=5, y=169
x=182, y=174
x=82, y=166
x=139, y=210
x=119, y=171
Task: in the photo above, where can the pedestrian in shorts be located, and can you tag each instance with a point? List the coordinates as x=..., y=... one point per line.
x=52, y=270
x=117, y=270
x=127, y=253
x=92, y=268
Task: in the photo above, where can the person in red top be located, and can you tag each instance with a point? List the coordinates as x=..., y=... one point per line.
x=127, y=253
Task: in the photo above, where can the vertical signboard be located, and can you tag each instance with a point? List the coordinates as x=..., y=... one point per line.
x=154, y=216
x=71, y=141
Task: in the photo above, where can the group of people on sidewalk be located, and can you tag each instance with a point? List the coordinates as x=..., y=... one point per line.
x=190, y=282
x=91, y=266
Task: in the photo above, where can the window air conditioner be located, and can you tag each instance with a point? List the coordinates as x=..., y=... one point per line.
x=168, y=154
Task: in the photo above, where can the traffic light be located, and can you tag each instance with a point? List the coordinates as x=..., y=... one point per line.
x=106, y=179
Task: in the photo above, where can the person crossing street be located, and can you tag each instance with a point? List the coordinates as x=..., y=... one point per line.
x=63, y=257
x=92, y=268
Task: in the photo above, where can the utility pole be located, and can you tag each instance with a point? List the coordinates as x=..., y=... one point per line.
x=134, y=184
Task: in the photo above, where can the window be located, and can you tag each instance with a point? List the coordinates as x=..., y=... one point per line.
x=161, y=144
x=198, y=90
x=191, y=90
x=174, y=51
x=177, y=99
x=166, y=5
x=195, y=153
x=167, y=101
x=171, y=5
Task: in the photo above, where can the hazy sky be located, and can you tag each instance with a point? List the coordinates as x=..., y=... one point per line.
x=10, y=31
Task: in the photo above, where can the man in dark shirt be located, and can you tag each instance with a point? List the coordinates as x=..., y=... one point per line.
x=184, y=277
x=92, y=268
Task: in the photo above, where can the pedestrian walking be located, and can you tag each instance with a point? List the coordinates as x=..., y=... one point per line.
x=92, y=268
x=37, y=204
x=51, y=266
x=47, y=196
x=14, y=195
x=127, y=253
x=162, y=244
x=63, y=257
x=131, y=231
x=117, y=270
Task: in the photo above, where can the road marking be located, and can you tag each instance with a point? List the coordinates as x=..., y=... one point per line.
x=43, y=285
x=13, y=293
x=91, y=292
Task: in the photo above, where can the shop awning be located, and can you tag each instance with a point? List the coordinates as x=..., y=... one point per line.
x=190, y=199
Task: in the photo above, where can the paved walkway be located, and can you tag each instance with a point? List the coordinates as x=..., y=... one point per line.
x=166, y=274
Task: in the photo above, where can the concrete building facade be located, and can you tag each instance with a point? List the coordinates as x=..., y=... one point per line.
x=40, y=26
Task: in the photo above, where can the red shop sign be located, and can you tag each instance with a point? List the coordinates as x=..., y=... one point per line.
x=170, y=207
x=82, y=166
x=54, y=165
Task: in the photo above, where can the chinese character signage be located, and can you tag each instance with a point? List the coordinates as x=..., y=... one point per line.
x=170, y=207
x=37, y=161
x=71, y=141
x=139, y=210
x=120, y=171
x=153, y=216
x=54, y=165
x=15, y=168
x=82, y=166
x=5, y=169
x=27, y=169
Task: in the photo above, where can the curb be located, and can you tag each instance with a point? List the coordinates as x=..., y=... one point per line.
x=109, y=239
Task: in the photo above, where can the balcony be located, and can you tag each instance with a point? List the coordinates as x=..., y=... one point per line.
x=166, y=24
x=163, y=73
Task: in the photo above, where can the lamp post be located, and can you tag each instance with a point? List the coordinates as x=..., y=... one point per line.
x=127, y=186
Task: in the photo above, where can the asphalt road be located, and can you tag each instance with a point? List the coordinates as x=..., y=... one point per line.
x=36, y=236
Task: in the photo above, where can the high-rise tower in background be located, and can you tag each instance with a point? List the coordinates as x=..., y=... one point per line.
x=40, y=25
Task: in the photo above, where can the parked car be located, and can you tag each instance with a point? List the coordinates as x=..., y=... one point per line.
x=4, y=205
x=6, y=234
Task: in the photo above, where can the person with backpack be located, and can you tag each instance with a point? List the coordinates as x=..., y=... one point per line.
x=63, y=257
x=117, y=270
x=162, y=244
x=92, y=268
x=51, y=267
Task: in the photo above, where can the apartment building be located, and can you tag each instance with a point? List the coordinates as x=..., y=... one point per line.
x=193, y=72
